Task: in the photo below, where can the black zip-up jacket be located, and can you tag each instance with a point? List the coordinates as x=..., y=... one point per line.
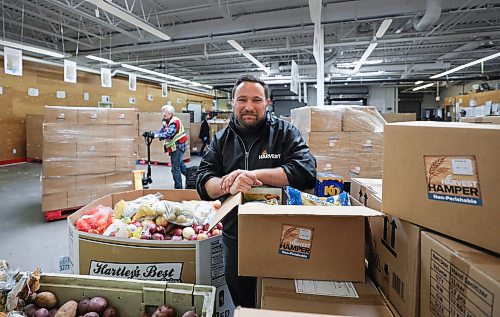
x=278, y=145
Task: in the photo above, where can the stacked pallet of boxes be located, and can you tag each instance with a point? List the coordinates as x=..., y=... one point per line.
x=151, y=121
x=346, y=140
x=87, y=153
x=450, y=188
x=34, y=136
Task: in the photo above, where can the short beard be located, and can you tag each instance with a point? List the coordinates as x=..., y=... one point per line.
x=246, y=125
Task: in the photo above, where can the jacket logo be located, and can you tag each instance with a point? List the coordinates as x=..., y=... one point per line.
x=269, y=156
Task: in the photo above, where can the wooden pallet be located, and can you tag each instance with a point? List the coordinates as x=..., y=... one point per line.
x=60, y=214
x=33, y=160
x=155, y=163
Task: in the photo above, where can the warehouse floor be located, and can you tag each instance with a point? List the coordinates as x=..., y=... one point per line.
x=27, y=240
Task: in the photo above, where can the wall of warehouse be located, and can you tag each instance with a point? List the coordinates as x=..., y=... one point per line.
x=384, y=98
x=49, y=79
x=465, y=88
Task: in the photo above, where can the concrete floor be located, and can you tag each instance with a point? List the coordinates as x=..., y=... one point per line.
x=27, y=240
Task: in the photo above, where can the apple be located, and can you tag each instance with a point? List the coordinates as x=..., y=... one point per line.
x=176, y=238
x=177, y=232
x=219, y=226
x=168, y=237
x=205, y=227
x=145, y=235
x=198, y=229
x=194, y=237
x=216, y=232
x=202, y=236
x=188, y=232
x=161, y=230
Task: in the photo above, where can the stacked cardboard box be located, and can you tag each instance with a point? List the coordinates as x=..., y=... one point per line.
x=394, y=253
x=87, y=153
x=486, y=119
x=151, y=121
x=449, y=187
x=346, y=140
x=195, y=141
x=399, y=117
x=34, y=136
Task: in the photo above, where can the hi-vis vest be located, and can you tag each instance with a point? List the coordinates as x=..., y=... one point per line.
x=180, y=136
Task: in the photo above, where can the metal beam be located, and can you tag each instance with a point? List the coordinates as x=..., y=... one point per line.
x=74, y=10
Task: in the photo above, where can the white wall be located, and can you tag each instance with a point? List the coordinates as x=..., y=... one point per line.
x=384, y=98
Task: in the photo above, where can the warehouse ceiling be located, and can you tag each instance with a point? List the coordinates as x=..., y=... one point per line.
x=189, y=38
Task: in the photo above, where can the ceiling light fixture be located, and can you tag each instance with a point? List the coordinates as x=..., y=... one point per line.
x=353, y=64
x=423, y=87
x=119, y=12
x=383, y=28
x=456, y=69
x=152, y=72
x=32, y=49
x=419, y=82
x=99, y=59
x=249, y=56
x=380, y=32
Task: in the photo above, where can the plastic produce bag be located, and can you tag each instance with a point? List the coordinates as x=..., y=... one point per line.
x=191, y=212
x=129, y=208
x=296, y=197
x=96, y=220
x=117, y=228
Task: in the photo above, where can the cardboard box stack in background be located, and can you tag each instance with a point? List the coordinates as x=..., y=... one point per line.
x=151, y=121
x=457, y=280
x=345, y=298
x=87, y=153
x=486, y=119
x=399, y=117
x=34, y=136
x=448, y=183
x=346, y=140
x=195, y=140
x=394, y=258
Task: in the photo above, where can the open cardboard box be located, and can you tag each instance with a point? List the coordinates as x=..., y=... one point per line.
x=303, y=242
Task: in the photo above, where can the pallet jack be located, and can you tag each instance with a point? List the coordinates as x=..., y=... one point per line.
x=146, y=178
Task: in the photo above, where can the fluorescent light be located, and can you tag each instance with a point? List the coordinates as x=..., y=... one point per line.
x=239, y=48
x=100, y=59
x=236, y=45
x=383, y=28
x=152, y=72
x=349, y=78
x=367, y=53
x=353, y=64
x=117, y=11
x=419, y=82
x=368, y=74
x=423, y=87
x=256, y=62
x=32, y=49
x=456, y=69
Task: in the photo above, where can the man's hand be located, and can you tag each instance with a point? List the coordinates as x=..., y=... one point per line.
x=244, y=181
x=228, y=180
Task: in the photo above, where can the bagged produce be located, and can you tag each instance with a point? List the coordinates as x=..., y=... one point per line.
x=95, y=221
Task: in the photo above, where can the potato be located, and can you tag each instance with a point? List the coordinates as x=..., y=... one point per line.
x=41, y=312
x=98, y=304
x=53, y=312
x=68, y=309
x=46, y=300
x=110, y=312
x=84, y=306
x=91, y=314
x=164, y=311
x=30, y=310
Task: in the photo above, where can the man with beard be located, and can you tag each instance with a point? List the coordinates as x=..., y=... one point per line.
x=255, y=149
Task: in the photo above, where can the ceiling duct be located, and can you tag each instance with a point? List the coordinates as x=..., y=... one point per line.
x=431, y=15
x=467, y=47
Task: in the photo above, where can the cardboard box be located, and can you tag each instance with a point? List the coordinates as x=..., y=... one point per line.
x=399, y=117
x=66, y=115
x=298, y=241
x=249, y=312
x=362, y=119
x=93, y=116
x=486, y=119
x=52, y=150
x=65, y=167
x=92, y=148
x=55, y=201
x=281, y=294
x=441, y=183
x=199, y=262
x=326, y=143
x=312, y=119
x=394, y=258
x=123, y=116
x=58, y=184
x=131, y=298
x=348, y=166
x=458, y=280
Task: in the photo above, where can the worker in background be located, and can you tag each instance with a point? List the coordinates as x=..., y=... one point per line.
x=255, y=149
x=174, y=136
x=204, y=133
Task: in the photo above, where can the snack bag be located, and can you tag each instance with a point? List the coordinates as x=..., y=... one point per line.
x=96, y=220
x=296, y=197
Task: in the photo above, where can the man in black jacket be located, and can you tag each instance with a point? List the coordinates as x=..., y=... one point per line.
x=254, y=150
